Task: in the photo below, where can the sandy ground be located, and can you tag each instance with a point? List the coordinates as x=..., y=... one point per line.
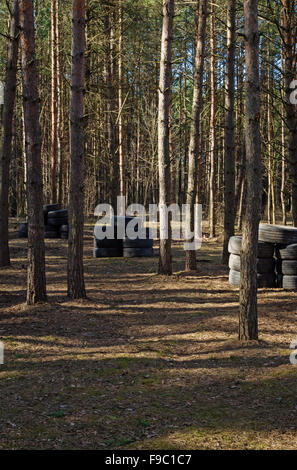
x=145, y=362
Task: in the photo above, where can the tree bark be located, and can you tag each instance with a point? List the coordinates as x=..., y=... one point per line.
x=54, y=100
x=110, y=95
x=229, y=147
x=36, y=284
x=165, y=261
x=191, y=263
x=7, y=130
x=76, y=284
x=121, y=119
x=283, y=170
x=248, y=315
x=212, y=132
x=271, y=183
x=289, y=37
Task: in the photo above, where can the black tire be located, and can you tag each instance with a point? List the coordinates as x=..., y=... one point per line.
x=61, y=213
x=50, y=207
x=23, y=234
x=106, y=243
x=51, y=235
x=23, y=230
x=289, y=282
x=265, y=250
x=278, y=234
x=266, y=280
x=57, y=222
x=138, y=252
x=108, y=253
x=287, y=252
x=264, y=265
x=64, y=235
x=50, y=228
x=287, y=267
x=138, y=243
x=64, y=228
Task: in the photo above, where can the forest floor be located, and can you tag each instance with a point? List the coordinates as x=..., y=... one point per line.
x=146, y=362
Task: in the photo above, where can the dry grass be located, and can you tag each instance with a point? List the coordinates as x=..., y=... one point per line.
x=146, y=362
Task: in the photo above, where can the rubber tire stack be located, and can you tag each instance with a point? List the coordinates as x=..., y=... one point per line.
x=127, y=248
x=108, y=248
x=23, y=230
x=56, y=224
x=287, y=266
x=265, y=263
x=139, y=247
x=285, y=240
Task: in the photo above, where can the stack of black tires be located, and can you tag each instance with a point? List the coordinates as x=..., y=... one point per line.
x=265, y=264
x=287, y=266
x=23, y=230
x=139, y=247
x=55, y=223
x=108, y=248
x=128, y=248
x=285, y=240
x=274, y=240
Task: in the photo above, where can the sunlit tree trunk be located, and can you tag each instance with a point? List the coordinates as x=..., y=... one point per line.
x=36, y=284
x=165, y=261
x=191, y=263
x=248, y=315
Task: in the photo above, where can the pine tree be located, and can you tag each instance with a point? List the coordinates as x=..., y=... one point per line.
x=36, y=284
x=165, y=261
x=7, y=129
x=248, y=315
x=76, y=283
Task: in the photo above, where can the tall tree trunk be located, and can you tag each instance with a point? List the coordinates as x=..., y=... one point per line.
x=191, y=263
x=111, y=134
x=165, y=261
x=283, y=172
x=7, y=130
x=36, y=284
x=76, y=284
x=121, y=118
x=59, y=106
x=289, y=36
x=54, y=100
x=271, y=189
x=212, y=131
x=229, y=148
x=248, y=315
x=185, y=125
